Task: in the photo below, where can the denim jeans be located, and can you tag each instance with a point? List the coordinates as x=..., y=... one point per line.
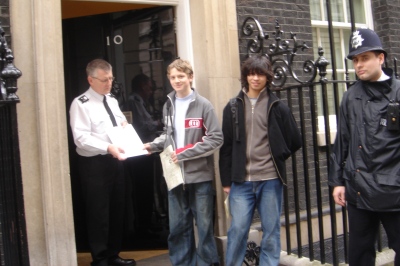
x=243, y=198
x=195, y=201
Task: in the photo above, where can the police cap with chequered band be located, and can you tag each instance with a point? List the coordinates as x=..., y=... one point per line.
x=364, y=40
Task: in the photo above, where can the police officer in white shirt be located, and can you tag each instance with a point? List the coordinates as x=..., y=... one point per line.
x=100, y=165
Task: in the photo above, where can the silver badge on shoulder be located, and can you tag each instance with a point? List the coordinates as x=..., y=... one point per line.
x=83, y=99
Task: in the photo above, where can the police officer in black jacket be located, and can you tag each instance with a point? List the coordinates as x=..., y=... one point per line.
x=365, y=162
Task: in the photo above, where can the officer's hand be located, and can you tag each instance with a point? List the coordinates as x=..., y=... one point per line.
x=339, y=195
x=116, y=152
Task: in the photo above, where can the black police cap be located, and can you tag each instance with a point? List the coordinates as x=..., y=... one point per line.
x=364, y=40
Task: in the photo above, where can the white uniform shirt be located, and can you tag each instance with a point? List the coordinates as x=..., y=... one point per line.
x=89, y=122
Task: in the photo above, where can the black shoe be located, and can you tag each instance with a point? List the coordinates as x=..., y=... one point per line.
x=117, y=261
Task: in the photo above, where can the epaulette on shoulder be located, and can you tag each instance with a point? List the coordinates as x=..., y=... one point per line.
x=83, y=99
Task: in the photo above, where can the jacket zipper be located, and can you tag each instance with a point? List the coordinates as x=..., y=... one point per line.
x=183, y=163
x=173, y=141
x=172, y=137
x=252, y=133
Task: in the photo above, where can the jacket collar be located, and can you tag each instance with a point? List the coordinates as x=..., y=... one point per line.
x=172, y=94
x=272, y=96
x=379, y=89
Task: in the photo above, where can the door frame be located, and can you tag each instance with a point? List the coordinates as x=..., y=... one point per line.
x=115, y=37
x=37, y=43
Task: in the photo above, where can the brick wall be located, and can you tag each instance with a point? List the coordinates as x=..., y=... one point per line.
x=386, y=14
x=292, y=17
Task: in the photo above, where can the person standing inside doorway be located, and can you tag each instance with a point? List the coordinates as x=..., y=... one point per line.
x=100, y=165
x=138, y=103
x=192, y=128
x=260, y=133
x=365, y=161
x=141, y=169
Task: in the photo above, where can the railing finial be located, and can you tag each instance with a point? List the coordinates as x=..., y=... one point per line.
x=8, y=72
x=321, y=64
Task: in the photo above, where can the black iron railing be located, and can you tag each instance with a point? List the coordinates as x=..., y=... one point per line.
x=307, y=198
x=13, y=240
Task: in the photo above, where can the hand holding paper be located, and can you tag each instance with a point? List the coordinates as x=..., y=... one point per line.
x=127, y=138
x=172, y=171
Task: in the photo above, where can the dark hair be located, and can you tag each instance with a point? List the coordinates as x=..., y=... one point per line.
x=258, y=64
x=138, y=81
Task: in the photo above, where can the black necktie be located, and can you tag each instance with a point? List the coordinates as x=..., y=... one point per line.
x=109, y=111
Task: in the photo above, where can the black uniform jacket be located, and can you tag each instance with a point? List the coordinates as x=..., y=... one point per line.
x=366, y=155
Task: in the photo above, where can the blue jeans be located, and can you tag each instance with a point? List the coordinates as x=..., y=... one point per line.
x=243, y=198
x=195, y=201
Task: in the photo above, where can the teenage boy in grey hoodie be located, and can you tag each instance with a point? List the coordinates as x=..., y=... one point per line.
x=192, y=128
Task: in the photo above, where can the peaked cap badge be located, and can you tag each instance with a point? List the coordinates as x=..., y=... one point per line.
x=356, y=40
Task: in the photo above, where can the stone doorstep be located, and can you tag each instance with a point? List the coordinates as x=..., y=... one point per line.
x=384, y=258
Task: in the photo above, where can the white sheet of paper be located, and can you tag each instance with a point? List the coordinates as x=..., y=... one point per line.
x=172, y=171
x=127, y=138
x=226, y=204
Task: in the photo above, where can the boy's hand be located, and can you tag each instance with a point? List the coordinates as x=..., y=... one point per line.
x=147, y=147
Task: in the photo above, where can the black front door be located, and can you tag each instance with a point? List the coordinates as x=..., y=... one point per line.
x=138, y=43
